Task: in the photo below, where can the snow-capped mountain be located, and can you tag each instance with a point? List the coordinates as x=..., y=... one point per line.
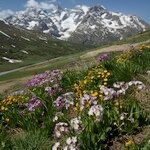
x=55, y=21
x=83, y=24
x=101, y=26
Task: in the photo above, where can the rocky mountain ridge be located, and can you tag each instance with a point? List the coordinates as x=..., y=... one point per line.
x=82, y=24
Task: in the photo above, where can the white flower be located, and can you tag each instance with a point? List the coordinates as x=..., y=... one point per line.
x=74, y=139
x=97, y=111
x=87, y=99
x=60, y=129
x=71, y=143
x=71, y=147
x=57, y=133
x=65, y=148
x=69, y=140
x=56, y=146
x=140, y=87
x=122, y=117
x=121, y=92
x=108, y=92
x=130, y=83
x=76, y=123
x=55, y=118
x=118, y=85
x=148, y=72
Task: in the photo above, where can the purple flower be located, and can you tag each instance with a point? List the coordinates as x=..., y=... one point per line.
x=109, y=93
x=59, y=102
x=103, y=57
x=34, y=103
x=66, y=100
x=50, y=91
x=53, y=90
x=87, y=99
x=49, y=77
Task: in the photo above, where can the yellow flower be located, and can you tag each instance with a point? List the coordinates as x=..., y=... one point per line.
x=129, y=142
x=105, y=71
x=117, y=104
x=108, y=73
x=100, y=95
x=6, y=109
x=105, y=79
x=85, y=81
x=105, y=83
x=103, y=76
x=7, y=119
x=2, y=108
x=94, y=94
x=77, y=104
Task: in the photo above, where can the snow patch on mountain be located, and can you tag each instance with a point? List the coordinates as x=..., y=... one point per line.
x=63, y=24
x=25, y=38
x=12, y=60
x=32, y=24
x=5, y=34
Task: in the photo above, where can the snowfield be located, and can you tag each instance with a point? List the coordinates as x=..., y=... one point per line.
x=12, y=60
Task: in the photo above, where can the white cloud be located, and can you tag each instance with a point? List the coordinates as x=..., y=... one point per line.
x=5, y=13
x=43, y=5
x=32, y=3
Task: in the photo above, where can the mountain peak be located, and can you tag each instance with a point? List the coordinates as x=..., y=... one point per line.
x=98, y=8
x=82, y=21
x=84, y=8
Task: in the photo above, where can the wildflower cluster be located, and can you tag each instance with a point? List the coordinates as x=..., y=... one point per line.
x=33, y=104
x=11, y=100
x=95, y=77
x=128, y=54
x=119, y=89
x=102, y=58
x=76, y=123
x=61, y=128
x=124, y=57
x=65, y=101
x=97, y=111
x=83, y=116
x=143, y=47
x=86, y=101
x=49, y=77
x=71, y=143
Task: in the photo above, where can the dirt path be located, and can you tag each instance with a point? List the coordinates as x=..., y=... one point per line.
x=12, y=85
x=111, y=49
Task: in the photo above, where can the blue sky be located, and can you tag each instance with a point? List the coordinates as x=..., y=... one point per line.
x=139, y=8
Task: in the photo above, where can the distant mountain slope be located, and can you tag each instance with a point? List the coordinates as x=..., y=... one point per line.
x=22, y=46
x=87, y=25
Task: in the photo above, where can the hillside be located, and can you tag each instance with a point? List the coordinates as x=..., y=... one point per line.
x=21, y=47
x=140, y=37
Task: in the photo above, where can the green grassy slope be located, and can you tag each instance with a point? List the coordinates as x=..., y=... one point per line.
x=143, y=36
x=39, y=47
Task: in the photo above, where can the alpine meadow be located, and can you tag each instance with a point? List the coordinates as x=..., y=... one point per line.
x=74, y=75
